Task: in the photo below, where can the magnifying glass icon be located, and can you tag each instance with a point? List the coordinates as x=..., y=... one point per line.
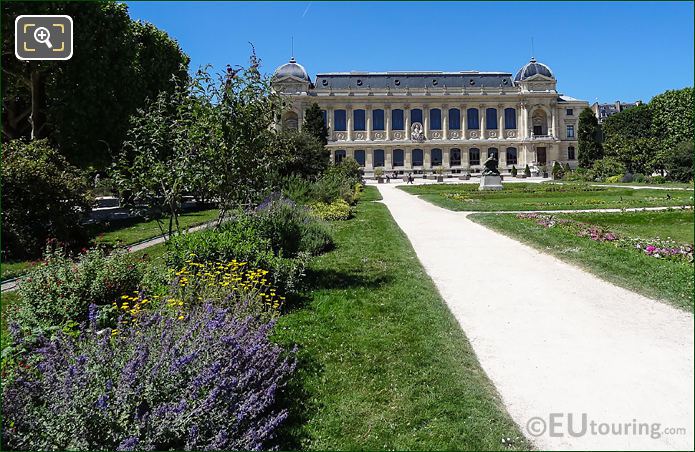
x=42, y=36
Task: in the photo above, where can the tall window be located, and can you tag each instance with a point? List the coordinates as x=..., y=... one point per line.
x=398, y=156
x=455, y=157
x=359, y=157
x=378, y=158
x=474, y=156
x=493, y=151
x=378, y=119
x=417, y=157
x=436, y=157
x=339, y=120
x=358, y=120
x=435, y=119
x=415, y=116
x=473, y=121
x=510, y=118
x=491, y=118
x=324, y=115
x=570, y=131
x=339, y=156
x=454, y=119
x=397, y=119
x=570, y=153
x=511, y=156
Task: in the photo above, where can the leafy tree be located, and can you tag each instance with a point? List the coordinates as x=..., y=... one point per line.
x=514, y=171
x=679, y=162
x=672, y=117
x=43, y=197
x=635, y=122
x=606, y=167
x=83, y=105
x=557, y=170
x=301, y=154
x=314, y=124
x=527, y=171
x=638, y=155
x=589, y=145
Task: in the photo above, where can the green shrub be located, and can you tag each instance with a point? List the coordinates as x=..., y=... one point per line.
x=513, y=172
x=614, y=179
x=337, y=210
x=527, y=171
x=639, y=177
x=43, y=197
x=656, y=179
x=58, y=291
x=568, y=169
x=557, y=171
x=678, y=162
x=298, y=190
x=606, y=167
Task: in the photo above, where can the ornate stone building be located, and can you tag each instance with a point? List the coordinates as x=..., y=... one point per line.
x=420, y=121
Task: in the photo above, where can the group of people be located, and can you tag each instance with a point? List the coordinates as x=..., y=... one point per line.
x=409, y=178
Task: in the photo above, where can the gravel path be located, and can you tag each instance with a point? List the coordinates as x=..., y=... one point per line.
x=555, y=339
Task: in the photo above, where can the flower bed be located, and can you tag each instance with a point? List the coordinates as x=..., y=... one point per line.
x=655, y=247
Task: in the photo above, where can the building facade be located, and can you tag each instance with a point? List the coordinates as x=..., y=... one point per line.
x=418, y=122
x=603, y=111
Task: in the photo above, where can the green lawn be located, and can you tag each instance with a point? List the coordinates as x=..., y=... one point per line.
x=666, y=280
x=531, y=196
x=383, y=363
x=122, y=232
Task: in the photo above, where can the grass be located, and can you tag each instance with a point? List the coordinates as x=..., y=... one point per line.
x=121, y=232
x=665, y=280
x=531, y=196
x=383, y=363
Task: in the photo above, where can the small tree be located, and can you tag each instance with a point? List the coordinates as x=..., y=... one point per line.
x=568, y=169
x=527, y=171
x=679, y=162
x=513, y=171
x=588, y=136
x=314, y=124
x=557, y=170
x=300, y=154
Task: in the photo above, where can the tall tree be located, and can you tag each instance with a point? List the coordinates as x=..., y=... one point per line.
x=589, y=144
x=314, y=123
x=82, y=105
x=635, y=122
x=672, y=121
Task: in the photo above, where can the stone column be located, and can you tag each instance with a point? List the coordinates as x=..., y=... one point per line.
x=348, y=121
x=387, y=122
x=368, y=119
x=426, y=121
x=502, y=156
x=427, y=158
x=553, y=115
x=445, y=157
x=369, y=159
x=388, y=158
x=445, y=122
x=302, y=110
x=465, y=158
x=464, y=121
x=500, y=121
x=408, y=159
x=406, y=118
x=329, y=117
x=481, y=119
x=350, y=153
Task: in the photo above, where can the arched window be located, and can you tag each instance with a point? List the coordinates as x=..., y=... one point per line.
x=493, y=151
x=397, y=119
x=290, y=121
x=359, y=157
x=339, y=156
x=473, y=121
x=398, y=157
x=510, y=118
x=454, y=119
x=378, y=119
x=455, y=157
x=511, y=156
x=474, y=156
x=570, y=153
x=415, y=116
x=491, y=118
x=417, y=157
x=378, y=158
x=339, y=120
x=435, y=119
x=358, y=119
x=436, y=157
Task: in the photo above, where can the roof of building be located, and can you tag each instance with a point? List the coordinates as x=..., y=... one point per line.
x=411, y=80
x=532, y=68
x=291, y=69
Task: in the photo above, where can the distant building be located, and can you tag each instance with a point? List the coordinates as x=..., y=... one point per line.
x=420, y=121
x=602, y=111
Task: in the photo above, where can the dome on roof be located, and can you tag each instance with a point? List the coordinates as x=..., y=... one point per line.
x=291, y=69
x=532, y=68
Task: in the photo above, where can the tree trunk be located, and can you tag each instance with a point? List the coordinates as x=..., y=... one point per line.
x=38, y=98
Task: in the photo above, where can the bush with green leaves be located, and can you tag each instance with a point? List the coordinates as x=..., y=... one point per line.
x=679, y=162
x=43, y=197
x=606, y=167
x=335, y=211
x=514, y=171
x=527, y=171
x=57, y=292
x=557, y=171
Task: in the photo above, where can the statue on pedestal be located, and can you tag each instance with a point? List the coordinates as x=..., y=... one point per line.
x=490, y=166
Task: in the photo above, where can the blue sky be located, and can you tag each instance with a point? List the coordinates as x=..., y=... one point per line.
x=598, y=51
